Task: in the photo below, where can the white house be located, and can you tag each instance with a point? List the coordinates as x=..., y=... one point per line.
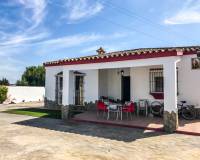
x=169, y=74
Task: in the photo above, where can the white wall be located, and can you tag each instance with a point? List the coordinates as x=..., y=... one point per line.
x=91, y=81
x=91, y=85
x=114, y=84
x=19, y=94
x=189, y=81
x=103, y=82
x=50, y=81
x=110, y=82
x=140, y=83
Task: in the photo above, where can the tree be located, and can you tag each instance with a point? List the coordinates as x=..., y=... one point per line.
x=21, y=83
x=33, y=76
x=4, y=82
x=3, y=93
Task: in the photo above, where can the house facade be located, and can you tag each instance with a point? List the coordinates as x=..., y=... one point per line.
x=162, y=74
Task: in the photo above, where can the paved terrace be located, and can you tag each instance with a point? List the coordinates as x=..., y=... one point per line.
x=185, y=126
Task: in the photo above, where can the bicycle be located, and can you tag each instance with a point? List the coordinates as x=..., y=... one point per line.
x=186, y=111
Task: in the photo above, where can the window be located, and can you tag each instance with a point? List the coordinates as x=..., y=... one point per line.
x=156, y=80
x=59, y=88
x=158, y=84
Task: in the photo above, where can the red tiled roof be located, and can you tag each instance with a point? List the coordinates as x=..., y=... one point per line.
x=141, y=53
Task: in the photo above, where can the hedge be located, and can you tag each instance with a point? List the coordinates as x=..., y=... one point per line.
x=3, y=93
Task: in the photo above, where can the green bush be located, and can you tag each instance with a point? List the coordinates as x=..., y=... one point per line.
x=3, y=93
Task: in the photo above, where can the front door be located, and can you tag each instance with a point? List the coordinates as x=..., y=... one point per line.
x=125, y=88
x=78, y=90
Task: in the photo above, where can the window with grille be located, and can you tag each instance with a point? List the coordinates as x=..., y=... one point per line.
x=156, y=80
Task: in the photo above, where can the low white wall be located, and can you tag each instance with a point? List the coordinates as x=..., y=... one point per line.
x=19, y=94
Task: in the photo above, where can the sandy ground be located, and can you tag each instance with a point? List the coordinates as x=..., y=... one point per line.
x=4, y=107
x=30, y=138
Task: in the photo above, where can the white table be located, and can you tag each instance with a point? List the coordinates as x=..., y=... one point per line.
x=115, y=108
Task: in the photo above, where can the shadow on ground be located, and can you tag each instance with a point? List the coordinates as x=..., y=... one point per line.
x=89, y=129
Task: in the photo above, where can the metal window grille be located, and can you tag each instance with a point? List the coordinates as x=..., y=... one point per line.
x=156, y=80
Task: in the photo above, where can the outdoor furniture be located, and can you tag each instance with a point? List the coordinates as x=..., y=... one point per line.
x=142, y=105
x=120, y=106
x=128, y=108
x=113, y=108
x=101, y=107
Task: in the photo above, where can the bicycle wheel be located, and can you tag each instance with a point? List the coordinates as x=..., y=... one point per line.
x=188, y=113
x=157, y=108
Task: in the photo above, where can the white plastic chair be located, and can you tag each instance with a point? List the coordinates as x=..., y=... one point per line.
x=142, y=105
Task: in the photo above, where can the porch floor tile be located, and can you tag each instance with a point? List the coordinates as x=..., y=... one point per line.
x=151, y=123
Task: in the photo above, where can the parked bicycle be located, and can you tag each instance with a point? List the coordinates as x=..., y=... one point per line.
x=186, y=111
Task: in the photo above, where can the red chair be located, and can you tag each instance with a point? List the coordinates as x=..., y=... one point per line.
x=128, y=108
x=101, y=107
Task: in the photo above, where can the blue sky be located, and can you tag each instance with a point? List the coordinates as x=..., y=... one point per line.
x=35, y=31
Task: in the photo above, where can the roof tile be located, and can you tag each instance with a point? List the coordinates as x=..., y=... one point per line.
x=124, y=53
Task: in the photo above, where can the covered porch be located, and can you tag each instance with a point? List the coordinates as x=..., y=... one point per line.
x=105, y=79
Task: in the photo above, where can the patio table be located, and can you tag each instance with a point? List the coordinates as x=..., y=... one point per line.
x=115, y=107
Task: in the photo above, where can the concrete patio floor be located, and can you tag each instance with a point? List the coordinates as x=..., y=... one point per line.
x=153, y=123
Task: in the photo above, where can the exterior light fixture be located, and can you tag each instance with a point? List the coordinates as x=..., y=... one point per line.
x=122, y=72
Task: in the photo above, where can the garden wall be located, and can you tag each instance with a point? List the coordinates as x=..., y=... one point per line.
x=19, y=94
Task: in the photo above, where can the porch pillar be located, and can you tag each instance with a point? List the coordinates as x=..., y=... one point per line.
x=170, y=97
x=65, y=94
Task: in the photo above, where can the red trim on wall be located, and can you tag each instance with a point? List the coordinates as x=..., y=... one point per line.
x=120, y=57
x=158, y=95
